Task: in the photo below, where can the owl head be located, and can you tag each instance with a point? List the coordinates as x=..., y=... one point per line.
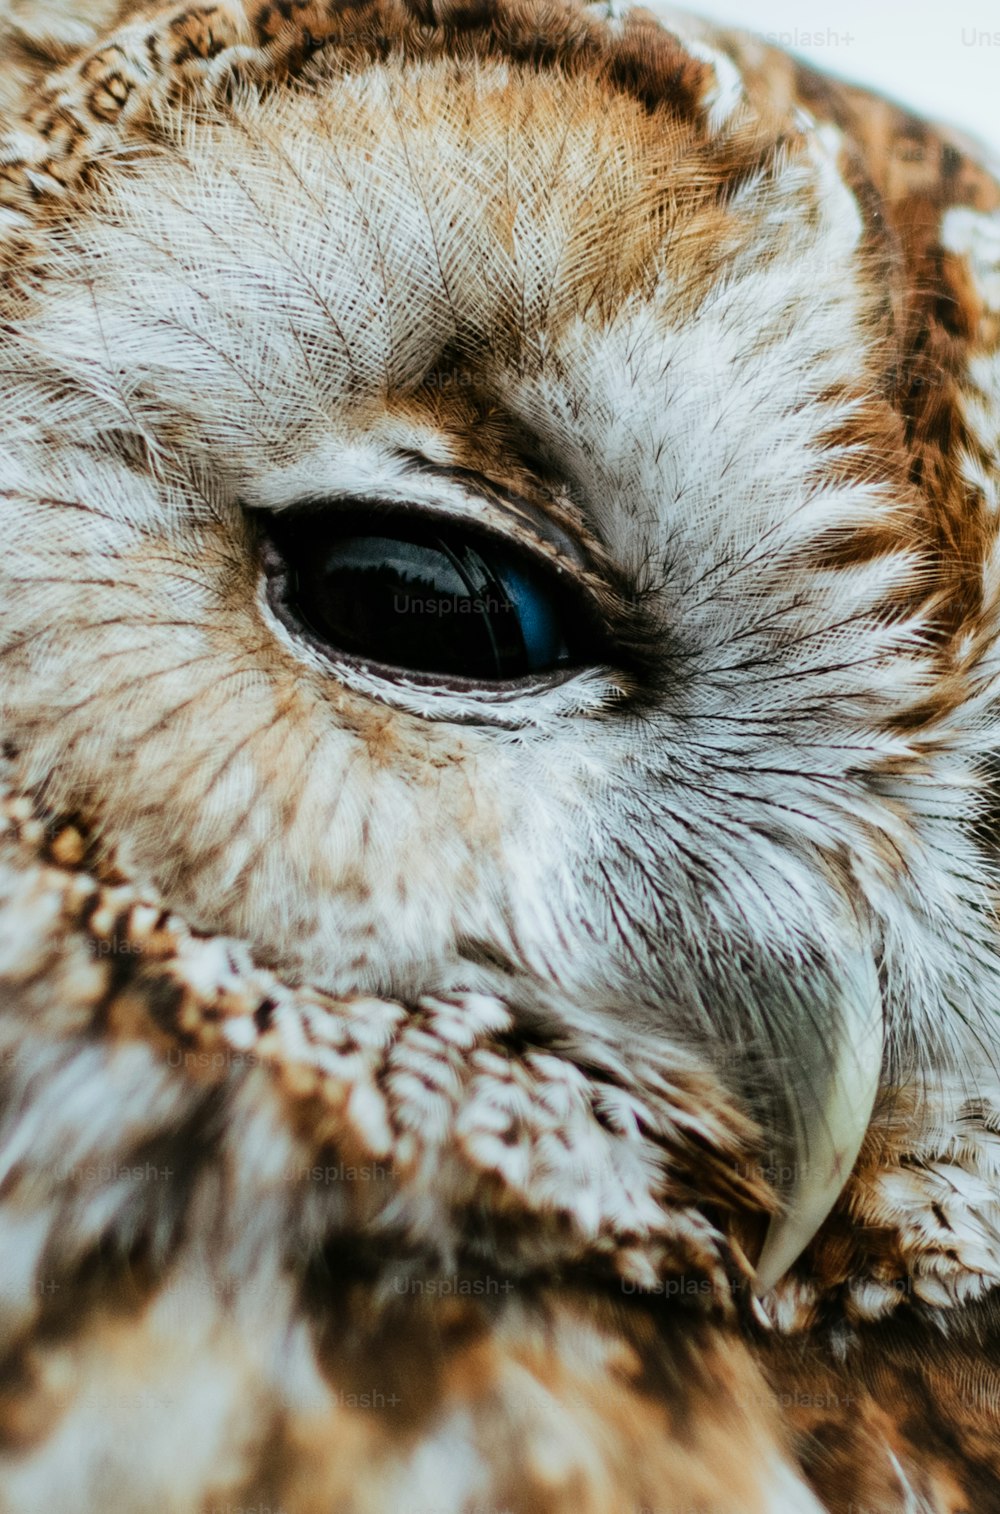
x=488, y=508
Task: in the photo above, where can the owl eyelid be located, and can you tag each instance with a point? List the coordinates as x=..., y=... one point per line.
x=511, y=503
x=610, y=614
x=539, y=511
x=500, y=518
x=586, y=626
x=550, y=549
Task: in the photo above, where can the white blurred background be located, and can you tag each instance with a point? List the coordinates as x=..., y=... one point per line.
x=942, y=57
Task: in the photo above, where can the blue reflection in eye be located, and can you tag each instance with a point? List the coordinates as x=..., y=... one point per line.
x=540, y=625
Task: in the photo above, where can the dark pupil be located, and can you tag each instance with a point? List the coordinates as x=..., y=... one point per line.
x=427, y=600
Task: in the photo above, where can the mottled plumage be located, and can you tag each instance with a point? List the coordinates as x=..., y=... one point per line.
x=571, y=1091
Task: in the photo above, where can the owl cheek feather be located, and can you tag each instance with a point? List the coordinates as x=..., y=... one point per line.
x=831, y=1107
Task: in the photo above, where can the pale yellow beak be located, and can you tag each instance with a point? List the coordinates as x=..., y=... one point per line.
x=830, y=1134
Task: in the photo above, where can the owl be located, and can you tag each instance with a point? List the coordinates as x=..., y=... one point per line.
x=499, y=810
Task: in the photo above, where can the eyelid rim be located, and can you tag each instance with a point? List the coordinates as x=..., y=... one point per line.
x=414, y=481
x=512, y=502
x=466, y=499
x=277, y=572
x=533, y=528
x=576, y=578
x=549, y=548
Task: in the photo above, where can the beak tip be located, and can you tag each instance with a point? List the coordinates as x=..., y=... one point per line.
x=827, y=1146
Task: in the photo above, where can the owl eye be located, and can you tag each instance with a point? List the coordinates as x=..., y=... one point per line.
x=426, y=597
